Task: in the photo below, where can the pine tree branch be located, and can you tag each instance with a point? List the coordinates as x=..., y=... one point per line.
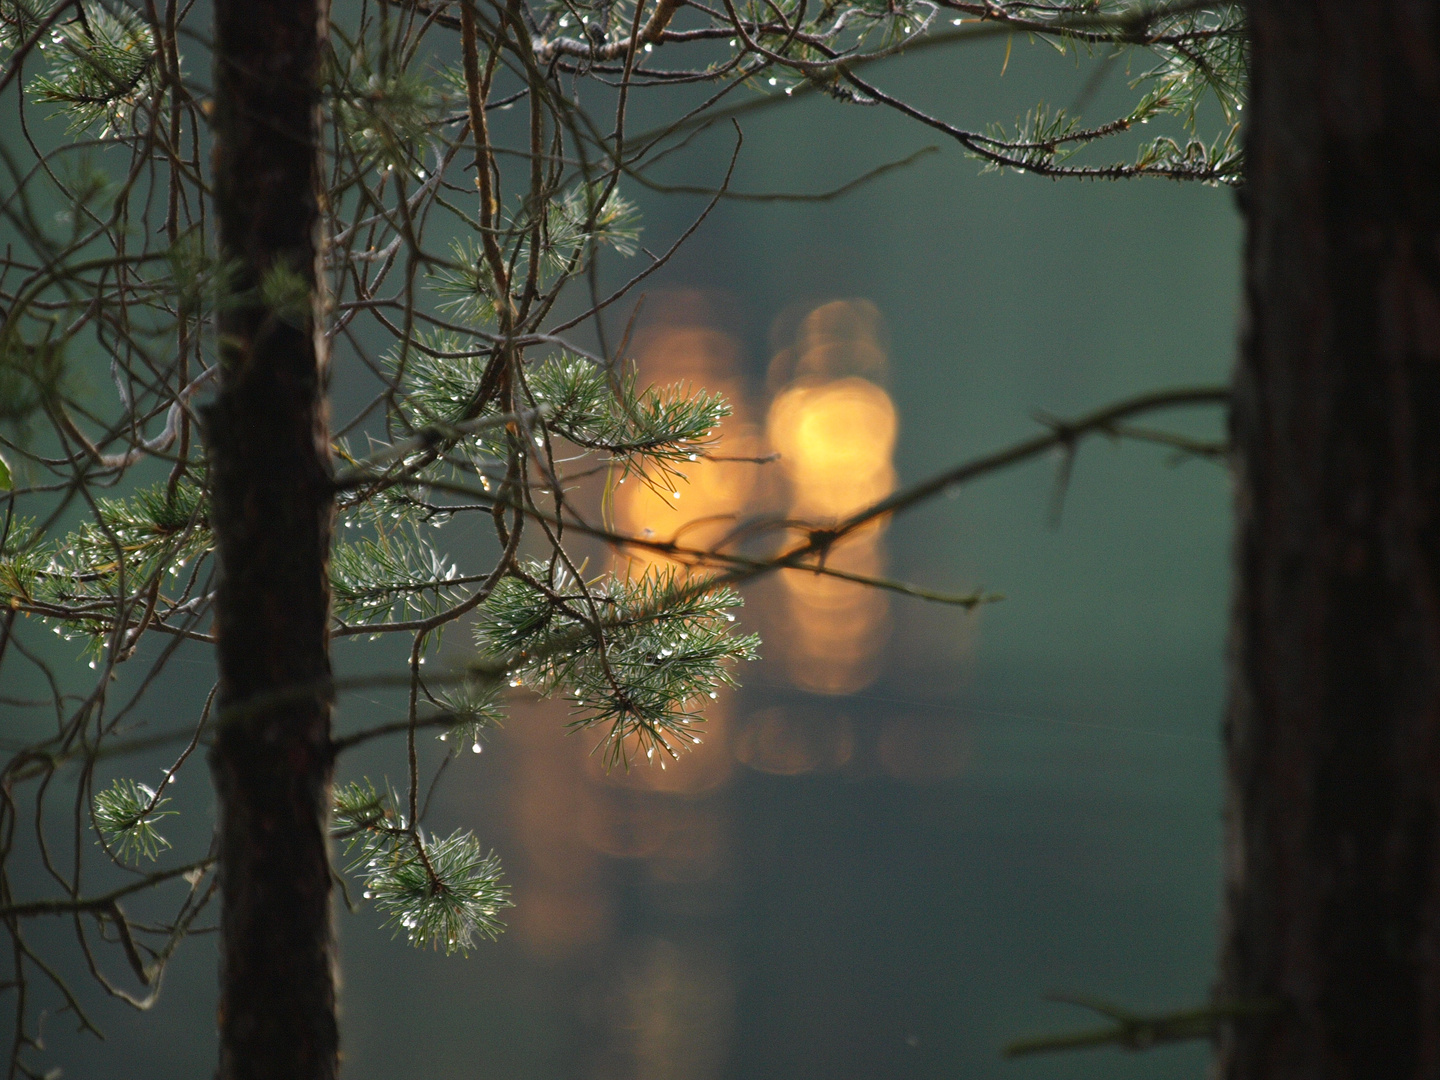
x=103, y=902
x=1138, y=1031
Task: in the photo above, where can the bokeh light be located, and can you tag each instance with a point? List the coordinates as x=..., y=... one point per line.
x=835, y=429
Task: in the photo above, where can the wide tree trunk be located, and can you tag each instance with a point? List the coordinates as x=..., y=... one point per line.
x=1333, y=730
x=272, y=511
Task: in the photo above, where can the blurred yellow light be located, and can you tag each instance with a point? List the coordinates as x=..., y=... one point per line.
x=835, y=441
x=713, y=495
x=842, y=338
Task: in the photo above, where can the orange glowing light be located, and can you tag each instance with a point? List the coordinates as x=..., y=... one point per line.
x=560, y=906
x=712, y=494
x=835, y=441
x=835, y=431
x=670, y=1013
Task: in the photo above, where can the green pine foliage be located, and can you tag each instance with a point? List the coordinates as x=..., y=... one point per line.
x=441, y=893
x=392, y=574
x=638, y=658
x=471, y=708
x=125, y=813
x=1193, y=62
x=100, y=65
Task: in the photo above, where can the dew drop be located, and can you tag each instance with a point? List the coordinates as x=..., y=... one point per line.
x=773, y=80
x=476, y=748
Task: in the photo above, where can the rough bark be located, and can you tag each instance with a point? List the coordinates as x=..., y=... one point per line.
x=272, y=512
x=1333, y=729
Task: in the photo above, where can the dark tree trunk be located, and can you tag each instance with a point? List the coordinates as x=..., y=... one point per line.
x=1333, y=732
x=272, y=511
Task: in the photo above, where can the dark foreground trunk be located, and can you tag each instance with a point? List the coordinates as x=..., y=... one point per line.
x=272, y=510
x=1333, y=733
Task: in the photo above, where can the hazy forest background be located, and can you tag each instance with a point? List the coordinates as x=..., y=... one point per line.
x=883, y=857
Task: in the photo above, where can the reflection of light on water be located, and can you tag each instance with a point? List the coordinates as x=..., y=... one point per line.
x=600, y=860
x=713, y=493
x=560, y=906
x=671, y=1016
x=666, y=1007
x=835, y=431
x=836, y=629
x=775, y=741
x=703, y=767
x=795, y=740
x=679, y=840
x=835, y=439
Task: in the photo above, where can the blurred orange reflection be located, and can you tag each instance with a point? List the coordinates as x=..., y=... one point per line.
x=703, y=767
x=681, y=840
x=775, y=741
x=670, y=1019
x=712, y=494
x=835, y=440
x=560, y=905
x=835, y=431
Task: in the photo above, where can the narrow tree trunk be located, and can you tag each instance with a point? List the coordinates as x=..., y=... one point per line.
x=272, y=511
x=1333, y=732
